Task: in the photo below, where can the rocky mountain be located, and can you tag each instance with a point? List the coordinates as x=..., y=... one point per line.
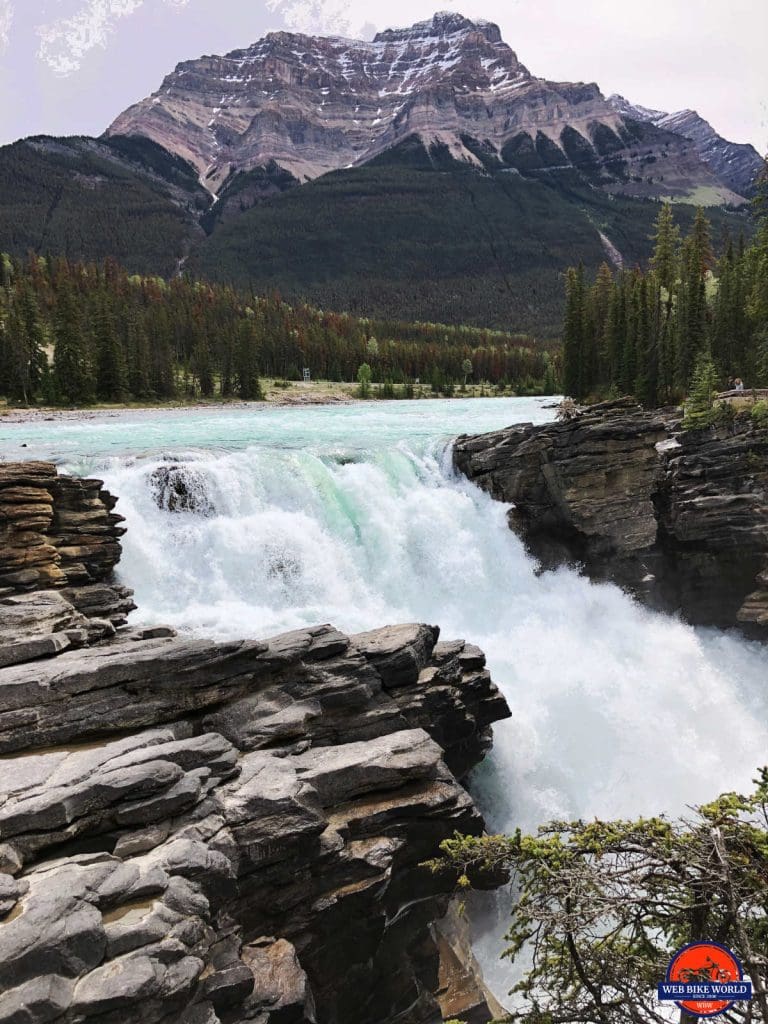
x=195, y=832
x=425, y=175
x=313, y=105
x=736, y=164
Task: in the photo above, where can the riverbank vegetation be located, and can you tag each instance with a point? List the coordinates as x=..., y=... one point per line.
x=644, y=332
x=78, y=333
x=600, y=907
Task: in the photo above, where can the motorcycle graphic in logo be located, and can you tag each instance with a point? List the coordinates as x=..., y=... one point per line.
x=705, y=979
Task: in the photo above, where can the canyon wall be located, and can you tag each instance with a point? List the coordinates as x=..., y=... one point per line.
x=679, y=518
x=205, y=832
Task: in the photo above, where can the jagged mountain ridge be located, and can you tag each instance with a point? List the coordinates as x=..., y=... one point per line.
x=312, y=105
x=736, y=164
x=465, y=203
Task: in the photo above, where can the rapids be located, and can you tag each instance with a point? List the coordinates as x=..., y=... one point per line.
x=353, y=515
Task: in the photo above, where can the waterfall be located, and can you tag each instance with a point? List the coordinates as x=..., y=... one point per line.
x=617, y=709
x=355, y=517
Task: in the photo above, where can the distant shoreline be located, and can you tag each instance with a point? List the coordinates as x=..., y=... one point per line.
x=99, y=412
x=299, y=396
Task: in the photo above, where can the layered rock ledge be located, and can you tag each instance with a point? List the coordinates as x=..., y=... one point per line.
x=680, y=518
x=195, y=832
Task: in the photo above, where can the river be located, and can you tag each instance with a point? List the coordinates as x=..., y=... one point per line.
x=353, y=515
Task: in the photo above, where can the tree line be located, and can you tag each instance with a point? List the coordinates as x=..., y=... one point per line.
x=76, y=333
x=648, y=332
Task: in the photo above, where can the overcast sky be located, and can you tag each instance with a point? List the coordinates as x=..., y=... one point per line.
x=70, y=66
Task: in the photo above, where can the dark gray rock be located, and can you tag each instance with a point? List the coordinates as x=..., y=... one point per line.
x=38, y=1001
x=678, y=518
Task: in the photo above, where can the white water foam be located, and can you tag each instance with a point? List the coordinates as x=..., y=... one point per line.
x=617, y=710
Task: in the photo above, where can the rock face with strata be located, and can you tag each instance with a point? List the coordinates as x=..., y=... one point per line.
x=195, y=832
x=308, y=105
x=59, y=545
x=678, y=517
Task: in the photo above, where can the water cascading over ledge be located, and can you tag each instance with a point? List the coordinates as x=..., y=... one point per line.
x=195, y=832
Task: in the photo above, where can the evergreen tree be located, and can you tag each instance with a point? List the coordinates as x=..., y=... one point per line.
x=692, y=313
x=646, y=363
x=700, y=404
x=601, y=304
x=22, y=353
x=573, y=334
x=246, y=364
x=138, y=357
x=615, y=331
x=549, y=383
x=202, y=366
x=111, y=370
x=73, y=377
x=665, y=259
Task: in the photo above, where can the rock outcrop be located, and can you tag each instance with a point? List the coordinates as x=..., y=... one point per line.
x=308, y=105
x=195, y=832
x=680, y=518
x=59, y=545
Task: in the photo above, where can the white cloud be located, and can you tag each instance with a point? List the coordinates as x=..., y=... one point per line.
x=6, y=20
x=65, y=42
x=315, y=17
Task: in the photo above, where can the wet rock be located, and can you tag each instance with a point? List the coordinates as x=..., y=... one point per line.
x=589, y=480
x=171, y=874
x=180, y=488
x=397, y=652
x=59, y=544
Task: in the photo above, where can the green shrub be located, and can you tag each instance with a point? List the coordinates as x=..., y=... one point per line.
x=760, y=413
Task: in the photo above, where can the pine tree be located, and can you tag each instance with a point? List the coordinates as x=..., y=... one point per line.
x=138, y=357
x=631, y=341
x=24, y=359
x=692, y=313
x=246, y=364
x=724, y=319
x=73, y=377
x=647, y=373
x=615, y=331
x=573, y=334
x=111, y=370
x=665, y=259
x=201, y=362
x=700, y=404
x=598, y=309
